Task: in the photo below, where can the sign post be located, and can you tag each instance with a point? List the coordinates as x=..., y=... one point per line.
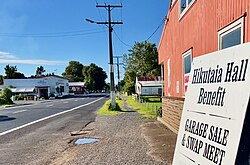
x=215, y=106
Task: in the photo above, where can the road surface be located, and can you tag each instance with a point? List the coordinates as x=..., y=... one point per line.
x=37, y=133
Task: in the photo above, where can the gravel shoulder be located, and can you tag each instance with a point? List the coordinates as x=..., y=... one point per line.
x=124, y=139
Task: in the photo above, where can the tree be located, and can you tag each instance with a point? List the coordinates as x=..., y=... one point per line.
x=122, y=84
x=94, y=77
x=73, y=71
x=19, y=75
x=1, y=79
x=7, y=94
x=40, y=71
x=50, y=74
x=142, y=60
x=11, y=73
x=129, y=79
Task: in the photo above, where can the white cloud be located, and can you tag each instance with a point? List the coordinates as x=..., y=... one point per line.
x=8, y=58
x=5, y=55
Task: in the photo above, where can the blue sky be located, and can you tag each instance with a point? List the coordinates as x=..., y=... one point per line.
x=53, y=32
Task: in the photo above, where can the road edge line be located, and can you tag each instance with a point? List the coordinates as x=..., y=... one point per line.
x=48, y=117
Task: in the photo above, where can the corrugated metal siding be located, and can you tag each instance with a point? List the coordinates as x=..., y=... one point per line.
x=197, y=29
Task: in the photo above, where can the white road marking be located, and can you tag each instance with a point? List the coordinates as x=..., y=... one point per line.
x=20, y=111
x=48, y=117
x=76, y=100
x=49, y=105
x=19, y=106
x=65, y=102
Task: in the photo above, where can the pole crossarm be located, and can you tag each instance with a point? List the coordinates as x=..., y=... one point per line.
x=109, y=22
x=105, y=6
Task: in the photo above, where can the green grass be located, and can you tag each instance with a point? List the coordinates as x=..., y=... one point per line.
x=154, y=99
x=143, y=108
x=105, y=110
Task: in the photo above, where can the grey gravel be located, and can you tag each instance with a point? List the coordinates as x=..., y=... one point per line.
x=121, y=142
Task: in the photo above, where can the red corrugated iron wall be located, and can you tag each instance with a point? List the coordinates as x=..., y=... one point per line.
x=197, y=29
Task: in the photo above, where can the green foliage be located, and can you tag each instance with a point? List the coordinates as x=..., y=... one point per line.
x=108, y=110
x=116, y=108
x=129, y=79
x=141, y=61
x=122, y=84
x=40, y=71
x=155, y=99
x=50, y=74
x=11, y=73
x=143, y=58
x=19, y=75
x=1, y=79
x=140, y=108
x=20, y=97
x=6, y=95
x=11, y=86
x=106, y=86
x=3, y=101
x=73, y=72
x=94, y=77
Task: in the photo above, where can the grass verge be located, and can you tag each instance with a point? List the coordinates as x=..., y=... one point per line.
x=106, y=110
x=141, y=108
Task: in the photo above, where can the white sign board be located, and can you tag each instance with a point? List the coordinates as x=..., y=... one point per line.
x=215, y=107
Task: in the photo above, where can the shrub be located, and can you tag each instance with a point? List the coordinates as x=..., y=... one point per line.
x=20, y=97
x=3, y=101
x=6, y=95
x=116, y=108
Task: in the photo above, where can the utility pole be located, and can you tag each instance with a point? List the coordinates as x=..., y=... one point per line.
x=118, y=70
x=110, y=27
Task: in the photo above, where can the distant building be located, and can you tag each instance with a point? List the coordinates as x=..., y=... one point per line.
x=77, y=87
x=39, y=87
x=148, y=86
x=194, y=28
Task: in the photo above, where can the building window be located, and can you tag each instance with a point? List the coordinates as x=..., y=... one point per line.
x=231, y=35
x=184, y=6
x=187, y=61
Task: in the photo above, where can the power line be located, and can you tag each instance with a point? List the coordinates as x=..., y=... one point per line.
x=101, y=17
x=162, y=22
x=121, y=26
x=121, y=40
x=52, y=35
x=49, y=33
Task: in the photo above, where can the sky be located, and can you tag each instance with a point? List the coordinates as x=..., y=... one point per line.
x=50, y=33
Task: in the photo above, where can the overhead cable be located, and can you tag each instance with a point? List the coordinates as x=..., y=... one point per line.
x=48, y=35
x=121, y=40
x=162, y=22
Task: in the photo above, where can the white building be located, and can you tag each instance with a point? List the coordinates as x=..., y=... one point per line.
x=146, y=86
x=40, y=87
x=77, y=87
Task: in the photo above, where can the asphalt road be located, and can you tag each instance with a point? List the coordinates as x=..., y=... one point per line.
x=35, y=134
